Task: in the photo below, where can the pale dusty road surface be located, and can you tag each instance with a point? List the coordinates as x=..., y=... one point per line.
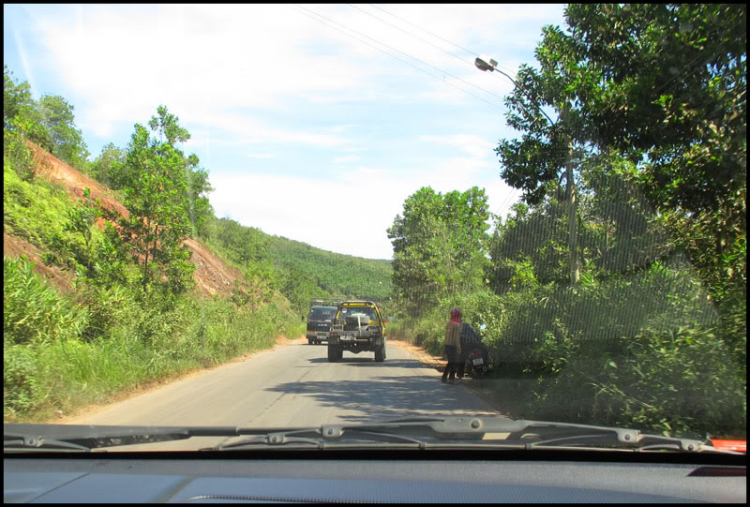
x=294, y=386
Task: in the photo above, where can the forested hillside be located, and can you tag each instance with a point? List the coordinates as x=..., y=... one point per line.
x=334, y=274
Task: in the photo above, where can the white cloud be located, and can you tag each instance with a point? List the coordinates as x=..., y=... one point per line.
x=229, y=57
x=246, y=130
x=205, y=59
x=305, y=210
x=341, y=160
x=474, y=145
x=25, y=64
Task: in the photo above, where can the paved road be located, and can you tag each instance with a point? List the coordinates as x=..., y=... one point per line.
x=296, y=386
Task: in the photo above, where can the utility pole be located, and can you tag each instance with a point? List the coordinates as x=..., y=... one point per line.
x=488, y=64
x=575, y=272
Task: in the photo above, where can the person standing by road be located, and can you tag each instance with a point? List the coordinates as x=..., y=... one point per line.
x=452, y=345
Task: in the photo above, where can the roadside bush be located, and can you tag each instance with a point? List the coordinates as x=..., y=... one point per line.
x=17, y=155
x=33, y=311
x=684, y=381
x=640, y=351
x=677, y=381
x=19, y=379
x=644, y=350
x=108, y=308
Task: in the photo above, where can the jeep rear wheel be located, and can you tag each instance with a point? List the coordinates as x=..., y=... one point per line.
x=380, y=354
x=334, y=353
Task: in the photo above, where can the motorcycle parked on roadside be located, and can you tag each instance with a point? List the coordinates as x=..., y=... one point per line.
x=474, y=358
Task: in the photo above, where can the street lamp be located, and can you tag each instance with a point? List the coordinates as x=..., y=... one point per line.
x=488, y=64
x=481, y=64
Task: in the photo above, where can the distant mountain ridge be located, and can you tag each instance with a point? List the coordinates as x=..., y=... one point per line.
x=337, y=274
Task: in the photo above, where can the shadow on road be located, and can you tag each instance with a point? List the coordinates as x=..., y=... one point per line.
x=369, y=361
x=382, y=398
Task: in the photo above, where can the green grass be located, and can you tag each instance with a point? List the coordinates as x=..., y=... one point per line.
x=66, y=372
x=37, y=211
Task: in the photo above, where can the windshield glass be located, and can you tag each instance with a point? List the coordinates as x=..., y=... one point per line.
x=367, y=311
x=187, y=187
x=322, y=313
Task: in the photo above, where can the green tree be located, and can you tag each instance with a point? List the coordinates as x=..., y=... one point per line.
x=105, y=167
x=535, y=163
x=439, y=246
x=299, y=289
x=200, y=210
x=67, y=141
x=670, y=94
x=156, y=194
x=20, y=112
x=17, y=99
x=618, y=232
x=667, y=89
x=81, y=218
x=245, y=244
x=663, y=87
x=336, y=275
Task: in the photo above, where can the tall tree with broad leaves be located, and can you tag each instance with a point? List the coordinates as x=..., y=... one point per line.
x=439, y=246
x=665, y=87
x=104, y=166
x=66, y=140
x=20, y=112
x=549, y=151
x=155, y=184
x=672, y=97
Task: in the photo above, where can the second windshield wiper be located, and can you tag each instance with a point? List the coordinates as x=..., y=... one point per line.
x=476, y=432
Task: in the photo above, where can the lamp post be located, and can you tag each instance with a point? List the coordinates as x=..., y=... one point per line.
x=491, y=65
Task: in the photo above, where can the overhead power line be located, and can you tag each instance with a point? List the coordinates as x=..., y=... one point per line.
x=424, y=30
x=435, y=35
x=469, y=62
x=512, y=196
x=311, y=13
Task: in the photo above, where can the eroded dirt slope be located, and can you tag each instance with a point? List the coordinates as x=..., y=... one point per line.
x=212, y=275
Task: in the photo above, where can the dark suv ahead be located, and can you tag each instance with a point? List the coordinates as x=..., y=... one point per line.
x=319, y=323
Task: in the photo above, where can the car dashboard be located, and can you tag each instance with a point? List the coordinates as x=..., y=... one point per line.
x=364, y=477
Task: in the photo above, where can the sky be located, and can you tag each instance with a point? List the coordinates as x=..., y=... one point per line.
x=303, y=115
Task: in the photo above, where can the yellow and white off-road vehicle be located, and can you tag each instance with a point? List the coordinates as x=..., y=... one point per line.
x=357, y=327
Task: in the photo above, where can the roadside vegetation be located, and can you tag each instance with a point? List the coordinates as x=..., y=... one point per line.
x=132, y=315
x=644, y=326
